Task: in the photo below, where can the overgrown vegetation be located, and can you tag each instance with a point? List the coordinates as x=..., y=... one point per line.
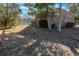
x=41, y=9
x=77, y=20
x=9, y=14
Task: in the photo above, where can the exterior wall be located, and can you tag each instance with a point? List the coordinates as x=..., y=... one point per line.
x=66, y=17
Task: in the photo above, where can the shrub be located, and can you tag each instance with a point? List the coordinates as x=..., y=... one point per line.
x=10, y=23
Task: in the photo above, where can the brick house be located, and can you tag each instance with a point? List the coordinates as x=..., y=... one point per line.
x=66, y=17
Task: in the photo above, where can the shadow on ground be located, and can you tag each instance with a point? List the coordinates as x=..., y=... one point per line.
x=38, y=41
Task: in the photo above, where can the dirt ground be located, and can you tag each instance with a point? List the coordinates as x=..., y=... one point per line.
x=14, y=29
x=33, y=41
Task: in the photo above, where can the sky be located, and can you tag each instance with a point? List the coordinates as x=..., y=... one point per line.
x=25, y=9
x=64, y=6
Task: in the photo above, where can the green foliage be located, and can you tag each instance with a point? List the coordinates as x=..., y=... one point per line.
x=77, y=20
x=11, y=23
x=73, y=9
x=11, y=11
x=38, y=8
x=20, y=11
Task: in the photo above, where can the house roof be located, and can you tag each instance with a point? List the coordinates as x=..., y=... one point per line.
x=67, y=14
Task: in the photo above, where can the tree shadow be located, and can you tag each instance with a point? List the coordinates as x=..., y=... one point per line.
x=31, y=38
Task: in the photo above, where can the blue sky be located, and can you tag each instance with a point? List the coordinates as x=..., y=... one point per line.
x=25, y=9
x=64, y=6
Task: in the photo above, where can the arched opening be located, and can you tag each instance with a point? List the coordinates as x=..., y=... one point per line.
x=69, y=24
x=53, y=26
x=43, y=24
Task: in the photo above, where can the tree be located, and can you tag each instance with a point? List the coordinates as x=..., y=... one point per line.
x=7, y=13
x=36, y=8
x=74, y=8
x=77, y=20
x=59, y=22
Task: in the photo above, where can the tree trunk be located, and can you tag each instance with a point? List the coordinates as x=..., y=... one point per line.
x=48, y=20
x=3, y=33
x=59, y=22
x=2, y=37
x=49, y=26
x=38, y=22
x=59, y=25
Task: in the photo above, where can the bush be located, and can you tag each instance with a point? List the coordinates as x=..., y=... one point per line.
x=77, y=19
x=9, y=25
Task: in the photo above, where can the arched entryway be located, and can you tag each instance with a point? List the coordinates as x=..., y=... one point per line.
x=53, y=25
x=43, y=24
